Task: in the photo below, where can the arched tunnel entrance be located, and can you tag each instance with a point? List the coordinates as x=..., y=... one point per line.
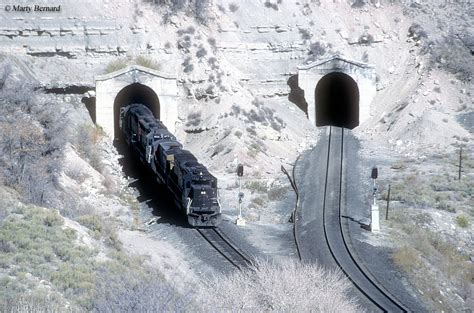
x=134, y=93
x=337, y=101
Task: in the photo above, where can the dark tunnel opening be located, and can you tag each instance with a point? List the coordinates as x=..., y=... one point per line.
x=337, y=101
x=135, y=93
x=90, y=106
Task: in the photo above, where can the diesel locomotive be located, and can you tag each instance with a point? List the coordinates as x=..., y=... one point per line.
x=193, y=188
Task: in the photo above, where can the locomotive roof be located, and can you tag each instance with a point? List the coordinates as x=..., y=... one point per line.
x=198, y=171
x=169, y=145
x=185, y=156
x=140, y=109
x=147, y=120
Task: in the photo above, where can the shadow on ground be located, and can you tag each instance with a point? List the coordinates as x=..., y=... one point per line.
x=151, y=194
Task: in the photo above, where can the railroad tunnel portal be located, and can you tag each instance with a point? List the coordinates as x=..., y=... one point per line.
x=338, y=91
x=337, y=101
x=135, y=84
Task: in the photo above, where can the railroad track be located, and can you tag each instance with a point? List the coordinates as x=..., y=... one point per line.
x=334, y=234
x=222, y=244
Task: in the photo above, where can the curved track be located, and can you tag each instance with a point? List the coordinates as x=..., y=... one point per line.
x=336, y=250
x=222, y=244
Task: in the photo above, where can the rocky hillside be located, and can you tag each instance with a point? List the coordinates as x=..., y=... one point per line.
x=235, y=62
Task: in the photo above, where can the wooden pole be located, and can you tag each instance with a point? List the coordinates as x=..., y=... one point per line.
x=460, y=163
x=388, y=203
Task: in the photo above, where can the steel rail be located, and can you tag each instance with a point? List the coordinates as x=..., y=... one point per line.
x=346, y=247
x=222, y=244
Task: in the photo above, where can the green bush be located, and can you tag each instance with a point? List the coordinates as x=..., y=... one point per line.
x=147, y=62
x=258, y=201
x=116, y=65
x=37, y=244
x=256, y=186
x=87, y=139
x=406, y=258
x=277, y=193
x=93, y=222
x=39, y=301
x=462, y=221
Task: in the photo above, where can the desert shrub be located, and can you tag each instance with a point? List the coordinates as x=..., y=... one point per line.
x=226, y=133
x=366, y=39
x=218, y=149
x=287, y=287
x=406, y=258
x=212, y=42
x=184, y=43
x=201, y=53
x=131, y=291
x=269, y=5
x=188, y=66
x=194, y=119
x=445, y=206
x=5, y=70
x=413, y=192
x=212, y=61
x=116, y=65
x=233, y=7
x=87, y=140
x=416, y=31
x=256, y=186
x=251, y=131
x=101, y=229
x=110, y=184
x=365, y=56
x=452, y=55
x=199, y=10
x=305, y=34
x=34, y=241
x=42, y=247
x=76, y=172
x=252, y=153
x=258, y=201
x=316, y=49
x=238, y=133
x=93, y=222
x=277, y=193
x=462, y=221
x=30, y=146
x=38, y=302
x=235, y=110
x=359, y=3
x=147, y=62
x=261, y=114
x=189, y=30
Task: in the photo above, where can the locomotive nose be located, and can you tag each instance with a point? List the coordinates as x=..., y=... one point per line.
x=202, y=193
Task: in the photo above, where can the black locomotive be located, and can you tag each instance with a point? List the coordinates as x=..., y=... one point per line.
x=193, y=188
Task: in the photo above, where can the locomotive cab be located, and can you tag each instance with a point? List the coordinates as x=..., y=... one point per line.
x=203, y=205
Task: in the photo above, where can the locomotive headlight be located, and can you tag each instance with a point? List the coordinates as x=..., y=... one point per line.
x=203, y=192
